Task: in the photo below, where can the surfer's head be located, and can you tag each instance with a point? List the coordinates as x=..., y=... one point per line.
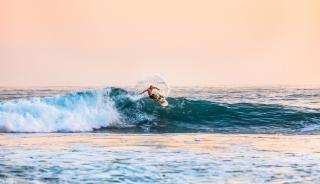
x=150, y=86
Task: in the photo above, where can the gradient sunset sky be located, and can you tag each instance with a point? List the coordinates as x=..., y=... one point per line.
x=189, y=42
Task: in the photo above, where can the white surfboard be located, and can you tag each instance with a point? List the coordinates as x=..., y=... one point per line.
x=163, y=102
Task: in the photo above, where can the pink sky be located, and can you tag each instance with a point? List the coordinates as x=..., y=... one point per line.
x=117, y=42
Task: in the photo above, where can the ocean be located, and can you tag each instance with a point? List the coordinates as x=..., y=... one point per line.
x=205, y=135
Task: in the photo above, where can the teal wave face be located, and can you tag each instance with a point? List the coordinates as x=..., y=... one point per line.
x=187, y=115
x=117, y=110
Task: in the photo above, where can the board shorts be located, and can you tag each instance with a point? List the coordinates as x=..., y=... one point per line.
x=155, y=97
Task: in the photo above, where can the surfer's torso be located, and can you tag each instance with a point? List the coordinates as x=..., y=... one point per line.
x=153, y=95
x=149, y=90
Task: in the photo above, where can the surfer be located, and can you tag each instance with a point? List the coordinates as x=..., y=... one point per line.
x=156, y=96
x=151, y=94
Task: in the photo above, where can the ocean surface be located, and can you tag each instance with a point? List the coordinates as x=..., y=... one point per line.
x=205, y=135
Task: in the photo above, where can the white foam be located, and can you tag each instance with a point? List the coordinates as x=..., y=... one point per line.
x=67, y=113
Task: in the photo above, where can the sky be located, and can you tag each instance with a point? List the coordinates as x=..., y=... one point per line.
x=188, y=42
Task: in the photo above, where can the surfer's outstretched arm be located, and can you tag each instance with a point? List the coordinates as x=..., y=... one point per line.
x=156, y=88
x=143, y=92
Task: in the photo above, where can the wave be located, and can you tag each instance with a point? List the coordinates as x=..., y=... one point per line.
x=117, y=110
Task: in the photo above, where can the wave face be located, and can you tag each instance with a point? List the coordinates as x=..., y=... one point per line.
x=117, y=110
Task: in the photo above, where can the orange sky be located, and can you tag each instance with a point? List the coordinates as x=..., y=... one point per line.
x=116, y=42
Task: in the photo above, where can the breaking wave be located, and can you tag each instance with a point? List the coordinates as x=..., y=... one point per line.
x=118, y=110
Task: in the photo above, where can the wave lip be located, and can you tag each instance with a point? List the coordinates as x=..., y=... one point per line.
x=117, y=110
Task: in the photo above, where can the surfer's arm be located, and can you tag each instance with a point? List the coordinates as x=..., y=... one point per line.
x=156, y=88
x=143, y=92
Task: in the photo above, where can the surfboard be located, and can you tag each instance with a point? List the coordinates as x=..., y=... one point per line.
x=163, y=102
